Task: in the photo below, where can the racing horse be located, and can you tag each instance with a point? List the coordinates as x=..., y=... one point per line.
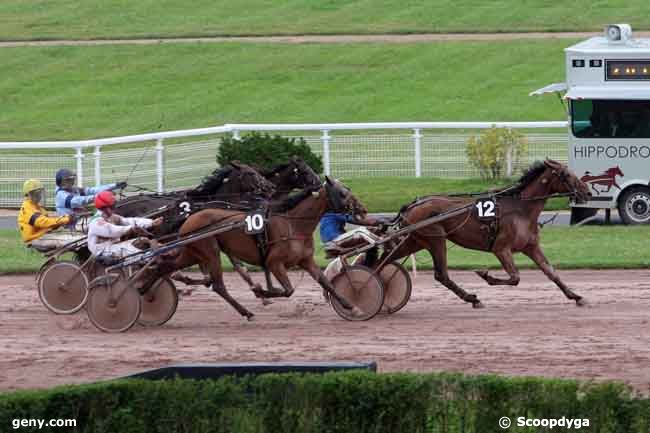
x=235, y=185
x=231, y=184
x=289, y=233
x=511, y=227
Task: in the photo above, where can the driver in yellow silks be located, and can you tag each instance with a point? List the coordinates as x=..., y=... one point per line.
x=37, y=228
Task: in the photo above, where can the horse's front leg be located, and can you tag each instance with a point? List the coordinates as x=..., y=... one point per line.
x=537, y=255
x=508, y=263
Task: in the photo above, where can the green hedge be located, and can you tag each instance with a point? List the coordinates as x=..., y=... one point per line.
x=265, y=151
x=335, y=402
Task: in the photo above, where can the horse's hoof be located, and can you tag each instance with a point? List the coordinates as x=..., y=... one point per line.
x=356, y=311
x=478, y=304
x=581, y=302
x=250, y=317
x=266, y=302
x=483, y=273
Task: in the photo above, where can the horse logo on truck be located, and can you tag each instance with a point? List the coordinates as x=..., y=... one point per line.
x=607, y=179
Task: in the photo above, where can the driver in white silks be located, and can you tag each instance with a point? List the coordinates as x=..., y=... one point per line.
x=106, y=228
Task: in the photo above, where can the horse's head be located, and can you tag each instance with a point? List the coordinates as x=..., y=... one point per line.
x=250, y=180
x=296, y=174
x=233, y=180
x=562, y=180
x=341, y=200
x=616, y=171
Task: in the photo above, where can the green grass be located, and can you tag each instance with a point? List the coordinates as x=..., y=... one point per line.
x=89, y=92
x=565, y=247
x=42, y=19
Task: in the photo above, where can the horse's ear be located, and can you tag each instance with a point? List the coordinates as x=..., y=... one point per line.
x=236, y=164
x=551, y=163
x=329, y=180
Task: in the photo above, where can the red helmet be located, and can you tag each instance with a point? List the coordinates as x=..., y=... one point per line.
x=104, y=199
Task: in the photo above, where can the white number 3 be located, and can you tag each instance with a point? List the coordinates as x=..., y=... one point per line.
x=485, y=208
x=185, y=207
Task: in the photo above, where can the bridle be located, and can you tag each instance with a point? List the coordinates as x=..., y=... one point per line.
x=562, y=175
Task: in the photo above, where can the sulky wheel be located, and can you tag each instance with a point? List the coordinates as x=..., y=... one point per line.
x=159, y=303
x=360, y=287
x=397, y=287
x=113, y=306
x=63, y=287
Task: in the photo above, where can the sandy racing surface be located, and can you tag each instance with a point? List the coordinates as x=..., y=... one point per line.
x=525, y=330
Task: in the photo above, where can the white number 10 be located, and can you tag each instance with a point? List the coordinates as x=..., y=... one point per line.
x=254, y=222
x=485, y=208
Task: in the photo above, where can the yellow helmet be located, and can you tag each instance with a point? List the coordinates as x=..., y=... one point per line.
x=31, y=185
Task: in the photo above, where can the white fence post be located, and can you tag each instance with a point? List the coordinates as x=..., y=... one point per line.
x=160, y=167
x=509, y=162
x=326, y=151
x=80, y=166
x=235, y=134
x=417, y=138
x=98, y=165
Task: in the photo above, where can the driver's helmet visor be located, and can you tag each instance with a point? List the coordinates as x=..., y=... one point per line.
x=38, y=196
x=69, y=180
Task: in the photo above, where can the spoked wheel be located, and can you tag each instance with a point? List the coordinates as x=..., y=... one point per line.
x=397, y=287
x=359, y=286
x=113, y=306
x=63, y=287
x=159, y=303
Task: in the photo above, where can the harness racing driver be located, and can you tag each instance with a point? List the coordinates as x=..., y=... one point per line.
x=106, y=228
x=71, y=198
x=37, y=228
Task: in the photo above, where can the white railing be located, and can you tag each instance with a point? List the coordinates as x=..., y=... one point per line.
x=347, y=150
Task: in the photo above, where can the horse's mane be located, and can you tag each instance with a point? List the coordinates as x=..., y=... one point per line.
x=294, y=200
x=268, y=172
x=528, y=176
x=212, y=182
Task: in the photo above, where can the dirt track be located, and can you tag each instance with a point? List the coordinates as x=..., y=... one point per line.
x=317, y=39
x=526, y=330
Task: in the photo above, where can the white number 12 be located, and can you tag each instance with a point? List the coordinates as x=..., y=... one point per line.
x=485, y=208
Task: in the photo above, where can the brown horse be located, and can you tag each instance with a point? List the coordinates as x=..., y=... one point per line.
x=508, y=225
x=289, y=240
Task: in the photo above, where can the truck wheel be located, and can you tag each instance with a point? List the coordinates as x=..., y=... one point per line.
x=634, y=206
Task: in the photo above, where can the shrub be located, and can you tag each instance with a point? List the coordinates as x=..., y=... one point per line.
x=361, y=402
x=489, y=151
x=266, y=151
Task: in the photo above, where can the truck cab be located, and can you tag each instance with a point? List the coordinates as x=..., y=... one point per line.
x=607, y=89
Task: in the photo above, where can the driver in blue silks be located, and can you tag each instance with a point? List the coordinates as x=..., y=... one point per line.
x=336, y=239
x=70, y=198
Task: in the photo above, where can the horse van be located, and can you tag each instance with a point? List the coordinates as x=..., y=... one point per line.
x=607, y=89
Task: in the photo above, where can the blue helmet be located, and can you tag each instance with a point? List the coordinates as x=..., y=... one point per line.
x=63, y=174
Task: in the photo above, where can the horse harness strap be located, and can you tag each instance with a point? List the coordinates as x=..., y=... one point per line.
x=261, y=239
x=488, y=217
